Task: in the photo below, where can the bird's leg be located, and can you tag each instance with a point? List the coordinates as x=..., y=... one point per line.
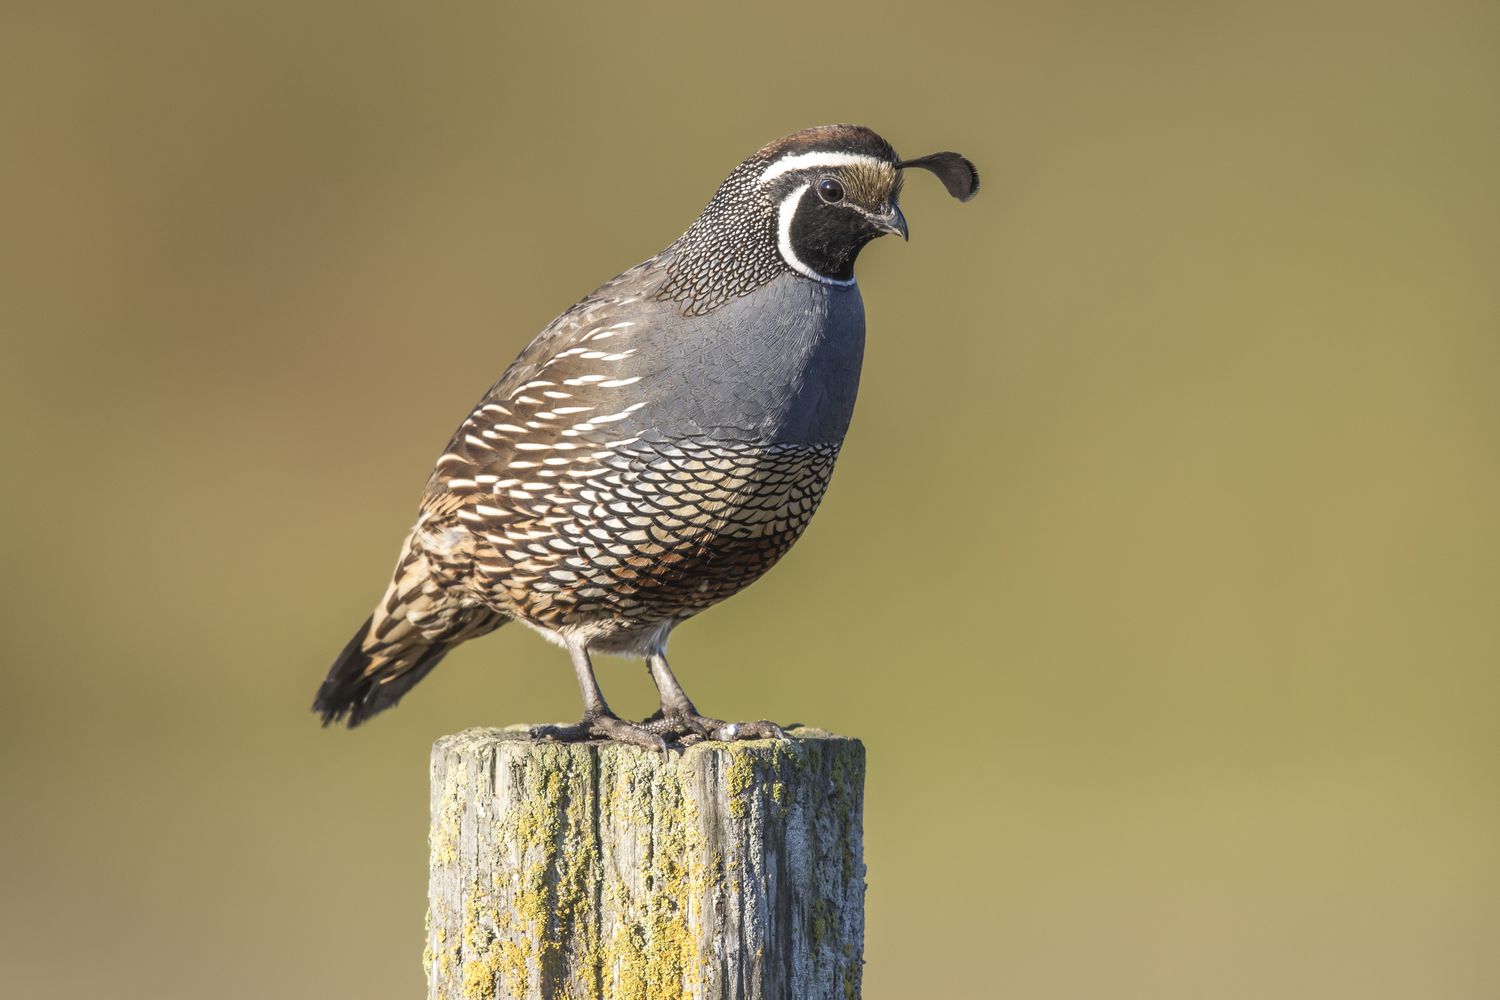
x=597, y=719
x=678, y=718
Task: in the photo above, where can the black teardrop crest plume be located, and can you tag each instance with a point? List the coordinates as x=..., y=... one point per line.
x=956, y=172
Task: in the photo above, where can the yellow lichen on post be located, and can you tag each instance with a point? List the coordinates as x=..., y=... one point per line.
x=608, y=872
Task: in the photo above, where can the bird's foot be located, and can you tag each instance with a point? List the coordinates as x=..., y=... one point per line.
x=688, y=727
x=604, y=726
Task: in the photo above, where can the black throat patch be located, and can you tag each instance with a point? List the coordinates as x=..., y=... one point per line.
x=827, y=238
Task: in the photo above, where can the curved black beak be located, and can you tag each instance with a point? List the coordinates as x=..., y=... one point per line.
x=891, y=221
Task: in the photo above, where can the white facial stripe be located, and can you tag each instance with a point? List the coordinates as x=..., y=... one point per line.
x=807, y=161
x=784, y=216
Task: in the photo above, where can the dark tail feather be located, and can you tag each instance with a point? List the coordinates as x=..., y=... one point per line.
x=361, y=684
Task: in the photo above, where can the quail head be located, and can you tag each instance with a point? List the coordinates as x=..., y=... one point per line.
x=657, y=447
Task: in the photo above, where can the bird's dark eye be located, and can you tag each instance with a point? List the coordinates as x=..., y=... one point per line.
x=830, y=190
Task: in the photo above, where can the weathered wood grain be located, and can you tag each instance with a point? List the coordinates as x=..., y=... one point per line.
x=608, y=872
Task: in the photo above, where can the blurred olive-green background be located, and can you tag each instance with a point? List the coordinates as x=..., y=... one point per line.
x=1160, y=575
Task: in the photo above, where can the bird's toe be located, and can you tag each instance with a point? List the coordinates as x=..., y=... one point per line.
x=561, y=734
x=761, y=730
x=612, y=728
x=688, y=728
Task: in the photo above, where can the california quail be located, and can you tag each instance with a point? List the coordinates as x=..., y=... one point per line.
x=657, y=447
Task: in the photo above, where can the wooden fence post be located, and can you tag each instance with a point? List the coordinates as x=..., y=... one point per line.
x=725, y=871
